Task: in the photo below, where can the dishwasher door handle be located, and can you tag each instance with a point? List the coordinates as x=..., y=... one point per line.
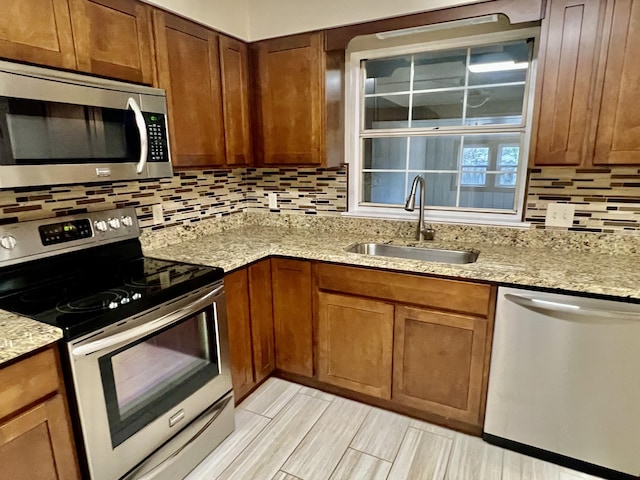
x=569, y=311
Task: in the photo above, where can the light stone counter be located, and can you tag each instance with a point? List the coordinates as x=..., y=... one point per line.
x=571, y=270
x=20, y=335
x=575, y=262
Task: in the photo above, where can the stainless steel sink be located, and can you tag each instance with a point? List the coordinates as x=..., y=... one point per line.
x=414, y=253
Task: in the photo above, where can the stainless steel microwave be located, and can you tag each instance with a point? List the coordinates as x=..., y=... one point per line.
x=62, y=128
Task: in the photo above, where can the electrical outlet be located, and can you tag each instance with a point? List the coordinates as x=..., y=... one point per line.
x=559, y=215
x=273, y=201
x=158, y=215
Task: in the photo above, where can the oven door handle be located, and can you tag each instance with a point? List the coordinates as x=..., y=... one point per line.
x=143, y=330
x=142, y=131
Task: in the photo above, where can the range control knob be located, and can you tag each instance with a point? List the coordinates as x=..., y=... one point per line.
x=8, y=241
x=100, y=225
x=114, y=223
x=127, y=221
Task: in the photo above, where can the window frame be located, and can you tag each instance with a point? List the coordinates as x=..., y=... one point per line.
x=354, y=111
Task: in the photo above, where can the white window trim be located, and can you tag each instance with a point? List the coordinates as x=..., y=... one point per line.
x=353, y=109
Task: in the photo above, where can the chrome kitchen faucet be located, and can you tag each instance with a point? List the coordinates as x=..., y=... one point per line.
x=422, y=233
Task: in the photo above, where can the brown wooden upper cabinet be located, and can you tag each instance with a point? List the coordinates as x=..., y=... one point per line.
x=205, y=75
x=585, y=113
x=290, y=97
x=189, y=70
x=113, y=38
x=37, y=31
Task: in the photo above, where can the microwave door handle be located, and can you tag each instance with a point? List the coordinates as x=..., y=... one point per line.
x=142, y=130
x=145, y=329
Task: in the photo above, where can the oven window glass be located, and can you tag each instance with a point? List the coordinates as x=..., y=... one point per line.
x=145, y=379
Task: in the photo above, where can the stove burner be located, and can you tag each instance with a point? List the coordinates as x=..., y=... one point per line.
x=106, y=300
x=43, y=294
x=161, y=279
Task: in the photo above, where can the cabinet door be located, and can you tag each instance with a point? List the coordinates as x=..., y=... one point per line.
x=113, y=38
x=618, y=137
x=438, y=363
x=234, y=65
x=239, y=326
x=290, y=84
x=37, y=31
x=38, y=444
x=568, y=61
x=189, y=70
x=264, y=361
x=292, y=315
x=355, y=342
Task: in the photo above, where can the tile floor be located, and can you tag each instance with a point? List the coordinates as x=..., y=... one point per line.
x=285, y=431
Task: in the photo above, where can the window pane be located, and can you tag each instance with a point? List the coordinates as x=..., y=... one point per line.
x=508, y=178
x=472, y=156
x=518, y=52
x=497, y=105
x=385, y=153
x=388, y=75
x=440, y=187
x=488, y=197
x=441, y=109
x=386, y=112
x=508, y=155
x=442, y=69
x=473, y=176
x=387, y=188
x=434, y=153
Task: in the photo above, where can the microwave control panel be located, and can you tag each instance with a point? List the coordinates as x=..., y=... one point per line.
x=157, y=137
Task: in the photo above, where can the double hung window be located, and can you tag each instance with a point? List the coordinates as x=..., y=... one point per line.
x=456, y=114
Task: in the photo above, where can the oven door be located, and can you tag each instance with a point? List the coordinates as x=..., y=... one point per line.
x=142, y=381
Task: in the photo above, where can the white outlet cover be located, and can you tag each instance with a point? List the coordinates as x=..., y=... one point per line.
x=560, y=215
x=273, y=201
x=158, y=214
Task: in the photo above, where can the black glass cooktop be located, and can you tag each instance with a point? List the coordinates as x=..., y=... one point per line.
x=85, y=291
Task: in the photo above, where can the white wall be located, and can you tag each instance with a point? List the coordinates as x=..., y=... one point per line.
x=271, y=18
x=258, y=19
x=229, y=16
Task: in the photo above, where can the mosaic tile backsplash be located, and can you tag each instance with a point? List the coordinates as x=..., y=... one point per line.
x=187, y=197
x=607, y=200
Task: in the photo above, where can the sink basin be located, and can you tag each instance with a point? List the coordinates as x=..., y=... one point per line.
x=414, y=253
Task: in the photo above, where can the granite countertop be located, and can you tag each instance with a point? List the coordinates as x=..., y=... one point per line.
x=20, y=335
x=578, y=271
x=572, y=270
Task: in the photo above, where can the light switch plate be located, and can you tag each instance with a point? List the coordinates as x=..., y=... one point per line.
x=158, y=215
x=560, y=215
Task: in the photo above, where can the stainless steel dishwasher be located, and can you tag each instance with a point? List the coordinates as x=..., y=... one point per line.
x=564, y=383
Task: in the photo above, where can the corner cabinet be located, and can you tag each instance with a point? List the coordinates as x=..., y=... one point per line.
x=205, y=75
x=250, y=326
x=422, y=343
x=35, y=431
x=293, y=315
x=586, y=79
x=290, y=100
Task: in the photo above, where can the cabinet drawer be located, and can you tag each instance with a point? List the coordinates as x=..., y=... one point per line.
x=27, y=381
x=466, y=297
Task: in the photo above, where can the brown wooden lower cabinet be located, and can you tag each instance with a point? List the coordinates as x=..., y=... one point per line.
x=36, y=441
x=250, y=326
x=37, y=444
x=439, y=362
x=355, y=343
x=292, y=315
x=239, y=328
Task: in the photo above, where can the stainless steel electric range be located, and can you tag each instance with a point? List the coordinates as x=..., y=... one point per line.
x=145, y=340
